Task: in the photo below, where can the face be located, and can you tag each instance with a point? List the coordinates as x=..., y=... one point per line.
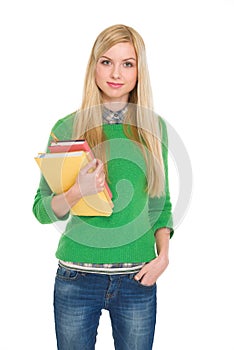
x=116, y=73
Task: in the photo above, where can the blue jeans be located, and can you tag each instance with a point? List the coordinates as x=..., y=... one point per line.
x=80, y=297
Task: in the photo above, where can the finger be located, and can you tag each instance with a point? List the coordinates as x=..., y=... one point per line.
x=99, y=169
x=100, y=176
x=102, y=185
x=100, y=182
x=139, y=275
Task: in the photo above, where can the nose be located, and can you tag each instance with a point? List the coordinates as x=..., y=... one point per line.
x=116, y=72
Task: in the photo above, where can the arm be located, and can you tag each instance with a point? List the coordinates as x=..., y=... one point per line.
x=42, y=205
x=160, y=216
x=49, y=207
x=160, y=209
x=62, y=203
x=42, y=208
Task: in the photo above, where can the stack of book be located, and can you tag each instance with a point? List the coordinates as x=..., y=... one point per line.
x=60, y=168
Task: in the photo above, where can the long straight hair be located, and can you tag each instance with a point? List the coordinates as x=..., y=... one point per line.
x=141, y=124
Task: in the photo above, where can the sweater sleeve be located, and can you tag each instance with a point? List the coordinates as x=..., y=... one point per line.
x=42, y=202
x=160, y=209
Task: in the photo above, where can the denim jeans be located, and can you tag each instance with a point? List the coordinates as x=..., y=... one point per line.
x=80, y=297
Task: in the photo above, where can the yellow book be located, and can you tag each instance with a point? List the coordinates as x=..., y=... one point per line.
x=60, y=171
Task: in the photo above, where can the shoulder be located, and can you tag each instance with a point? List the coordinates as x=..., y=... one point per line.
x=68, y=119
x=161, y=122
x=64, y=126
x=162, y=125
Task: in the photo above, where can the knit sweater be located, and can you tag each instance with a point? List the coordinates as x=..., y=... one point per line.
x=128, y=235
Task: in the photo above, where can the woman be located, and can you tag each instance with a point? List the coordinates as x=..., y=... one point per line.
x=112, y=262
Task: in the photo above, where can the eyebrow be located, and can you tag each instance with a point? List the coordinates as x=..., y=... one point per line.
x=126, y=59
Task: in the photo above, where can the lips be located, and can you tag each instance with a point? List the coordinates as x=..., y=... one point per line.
x=114, y=85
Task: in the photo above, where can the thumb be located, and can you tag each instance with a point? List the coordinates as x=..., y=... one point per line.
x=88, y=166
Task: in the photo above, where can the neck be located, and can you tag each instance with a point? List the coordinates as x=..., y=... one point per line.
x=114, y=106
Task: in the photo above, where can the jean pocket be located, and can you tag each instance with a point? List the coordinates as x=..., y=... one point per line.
x=139, y=284
x=67, y=274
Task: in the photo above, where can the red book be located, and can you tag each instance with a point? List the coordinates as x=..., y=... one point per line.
x=70, y=146
x=73, y=146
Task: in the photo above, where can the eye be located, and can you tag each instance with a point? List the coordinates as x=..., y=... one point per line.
x=105, y=62
x=128, y=64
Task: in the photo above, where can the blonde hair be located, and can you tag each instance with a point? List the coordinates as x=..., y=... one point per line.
x=144, y=125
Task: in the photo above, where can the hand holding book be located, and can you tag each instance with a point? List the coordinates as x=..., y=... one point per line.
x=91, y=182
x=71, y=171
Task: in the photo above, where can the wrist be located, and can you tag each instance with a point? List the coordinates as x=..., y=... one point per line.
x=163, y=251
x=162, y=243
x=73, y=195
x=163, y=255
x=163, y=259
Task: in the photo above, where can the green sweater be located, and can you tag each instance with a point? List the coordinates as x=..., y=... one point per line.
x=128, y=234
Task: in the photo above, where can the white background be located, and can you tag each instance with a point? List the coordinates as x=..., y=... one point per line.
x=44, y=49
